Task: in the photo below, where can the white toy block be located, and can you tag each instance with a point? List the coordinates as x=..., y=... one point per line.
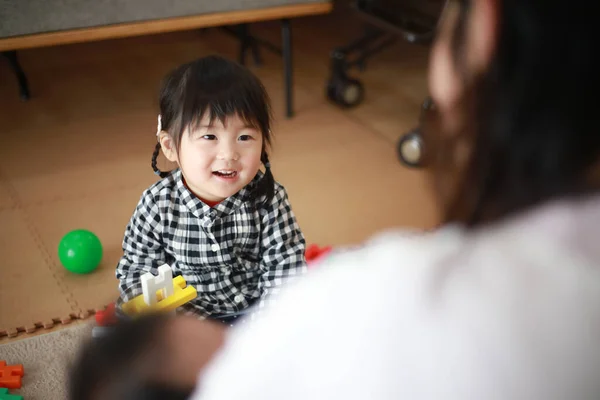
x=151, y=284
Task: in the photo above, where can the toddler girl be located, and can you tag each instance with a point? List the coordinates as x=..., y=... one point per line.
x=217, y=219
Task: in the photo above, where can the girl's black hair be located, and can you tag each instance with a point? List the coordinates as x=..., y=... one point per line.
x=534, y=117
x=222, y=88
x=117, y=365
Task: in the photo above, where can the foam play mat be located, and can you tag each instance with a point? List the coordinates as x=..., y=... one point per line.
x=77, y=155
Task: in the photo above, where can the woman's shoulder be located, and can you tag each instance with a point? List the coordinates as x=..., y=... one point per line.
x=458, y=299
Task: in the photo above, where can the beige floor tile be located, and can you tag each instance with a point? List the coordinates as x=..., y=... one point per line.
x=320, y=129
x=106, y=215
x=29, y=289
x=88, y=157
x=345, y=195
x=6, y=200
x=389, y=118
x=78, y=153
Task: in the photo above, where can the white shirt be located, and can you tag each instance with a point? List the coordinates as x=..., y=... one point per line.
x=509, y=312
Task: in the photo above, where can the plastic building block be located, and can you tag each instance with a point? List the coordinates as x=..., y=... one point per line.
x=4, y=395
x=314, y=253
x=181, y=295
x=163, y=282
x=106, y=317
x=10, y=376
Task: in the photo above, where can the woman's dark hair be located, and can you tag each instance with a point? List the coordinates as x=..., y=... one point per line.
x=532, y=118
x=220, y=88
x=120, y=365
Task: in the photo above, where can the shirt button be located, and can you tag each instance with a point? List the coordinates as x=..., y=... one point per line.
x=214, y=247
x=239, y=298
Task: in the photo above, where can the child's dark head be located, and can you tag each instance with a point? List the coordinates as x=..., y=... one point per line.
x=215, y=123
x=153, y=357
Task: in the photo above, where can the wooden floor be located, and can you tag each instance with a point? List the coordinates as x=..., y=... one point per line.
x=77, y=155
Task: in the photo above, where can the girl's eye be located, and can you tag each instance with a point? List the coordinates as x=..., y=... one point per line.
x=209, y=137
x=245, y=138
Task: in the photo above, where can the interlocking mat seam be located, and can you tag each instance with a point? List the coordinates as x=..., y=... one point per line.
x=76, y=311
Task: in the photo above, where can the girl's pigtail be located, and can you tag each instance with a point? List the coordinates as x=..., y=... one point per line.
x=266, y=186
x=157, y=171
x=157, y=150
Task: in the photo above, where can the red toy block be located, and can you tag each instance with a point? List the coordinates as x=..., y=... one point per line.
x=10, y=376
x=314, y=253
x=107, y=317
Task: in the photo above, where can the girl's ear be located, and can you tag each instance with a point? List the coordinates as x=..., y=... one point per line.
x=168, y=146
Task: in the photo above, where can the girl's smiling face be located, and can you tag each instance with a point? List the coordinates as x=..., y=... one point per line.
x=217, y=159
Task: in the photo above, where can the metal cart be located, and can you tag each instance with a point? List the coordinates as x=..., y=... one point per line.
x=386, y=20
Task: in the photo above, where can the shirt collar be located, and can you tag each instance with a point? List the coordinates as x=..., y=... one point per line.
x=226, y=207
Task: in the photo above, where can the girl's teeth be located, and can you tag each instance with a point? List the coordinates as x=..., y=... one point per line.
x=226, y=173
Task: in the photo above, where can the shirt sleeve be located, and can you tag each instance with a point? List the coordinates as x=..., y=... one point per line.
x=283, y=246
x=142, y=248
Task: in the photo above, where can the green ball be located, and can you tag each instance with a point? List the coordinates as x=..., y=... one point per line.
x=80, y=251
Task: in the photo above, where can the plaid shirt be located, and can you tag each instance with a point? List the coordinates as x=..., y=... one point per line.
x=235, y=254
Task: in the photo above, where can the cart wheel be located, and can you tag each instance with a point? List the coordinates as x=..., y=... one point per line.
x=345, y=92
x=410, y=149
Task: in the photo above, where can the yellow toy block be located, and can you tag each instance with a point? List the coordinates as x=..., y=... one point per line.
x=181, y=295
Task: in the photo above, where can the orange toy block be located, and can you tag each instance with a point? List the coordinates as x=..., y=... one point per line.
x=10, y=376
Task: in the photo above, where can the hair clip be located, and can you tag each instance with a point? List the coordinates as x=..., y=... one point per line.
x=159, y=127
